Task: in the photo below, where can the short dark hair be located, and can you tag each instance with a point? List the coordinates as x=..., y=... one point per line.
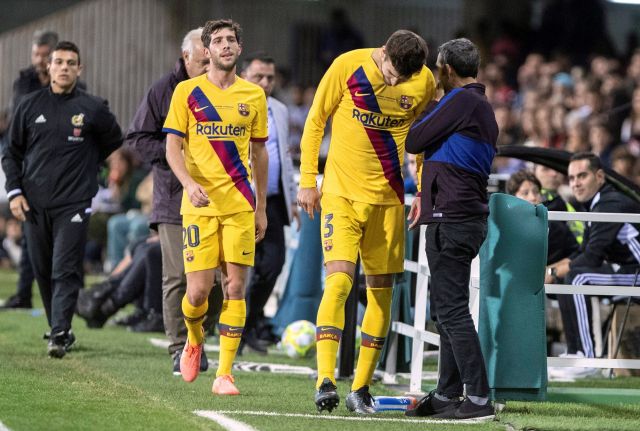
x=407, y=52
x=595, y=163
x=256, y=56
x=214, y=25
x=65, y=45
x=462, y=55
x=45, y=37
x=516, y=180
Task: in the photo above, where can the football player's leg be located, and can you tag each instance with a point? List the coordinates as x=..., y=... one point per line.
x=382, y=252
x=201, y=257
x=340, y=239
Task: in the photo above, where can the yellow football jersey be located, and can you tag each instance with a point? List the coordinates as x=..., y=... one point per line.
x=369, y=127
x=217, y=126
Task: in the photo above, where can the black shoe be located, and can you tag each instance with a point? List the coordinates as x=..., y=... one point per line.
x=360, y=401
x=90, y=300
x=70, y=341
x=153, y=323
x=327, y=397
x=176, y=363
x=137, y=316
x=431, y=406
x=15, y=301
x=254, y=343
x=204, y=362
x=470, y=410
x=60, y=343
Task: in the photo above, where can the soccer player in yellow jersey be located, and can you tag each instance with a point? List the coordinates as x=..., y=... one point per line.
x=214, y=119
x=373, y=96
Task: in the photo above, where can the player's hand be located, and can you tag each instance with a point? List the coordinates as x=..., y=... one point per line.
x=197, y=194
x=19, y=207
x=414, y=212
x=261, y=225
x=295, y=214
x=309, y=200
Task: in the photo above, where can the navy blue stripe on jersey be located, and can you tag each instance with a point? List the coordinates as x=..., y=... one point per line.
x=466, y=153
x=173, y=131
x=362, y=91
x=201, y=107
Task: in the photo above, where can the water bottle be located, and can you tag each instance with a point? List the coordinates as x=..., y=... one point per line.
x=402, y=403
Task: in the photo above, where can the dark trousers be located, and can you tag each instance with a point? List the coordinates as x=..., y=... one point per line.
x=25, y=275
x=575, y=310
x=450, y=249
x=56, y=238
x=142, y=279
x=270, y=256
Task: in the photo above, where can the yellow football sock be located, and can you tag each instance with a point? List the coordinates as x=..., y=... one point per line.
x=232, y=318
x=193, y=318
x=330, y=323
x=375, y=326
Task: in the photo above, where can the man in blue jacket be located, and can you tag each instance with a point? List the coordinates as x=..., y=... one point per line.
x=458, y=138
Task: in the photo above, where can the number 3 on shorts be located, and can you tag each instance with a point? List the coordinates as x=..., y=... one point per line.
x=190, y=236
x=327, y=225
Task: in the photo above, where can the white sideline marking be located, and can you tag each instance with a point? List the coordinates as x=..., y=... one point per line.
x=227, y=423
x=3, y=427
x=207, y=413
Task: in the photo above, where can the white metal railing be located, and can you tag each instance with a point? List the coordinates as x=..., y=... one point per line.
x=421, y=336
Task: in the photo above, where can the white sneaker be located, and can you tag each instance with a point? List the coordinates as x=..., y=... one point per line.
x=569, y=374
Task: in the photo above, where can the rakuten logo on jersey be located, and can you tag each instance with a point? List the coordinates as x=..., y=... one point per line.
x=377, y=121
x=220, y=131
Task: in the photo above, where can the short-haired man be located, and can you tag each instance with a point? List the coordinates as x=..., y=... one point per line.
x=458, y=138
x=59, y=137
x=609, y=253
x=146, y=138
x=373, y=96
x=282, y=209
x=35, y=76
x=219, y=119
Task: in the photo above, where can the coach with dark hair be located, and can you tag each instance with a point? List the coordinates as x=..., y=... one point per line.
x=609, y=253
x=59, y=136
x=458, y=138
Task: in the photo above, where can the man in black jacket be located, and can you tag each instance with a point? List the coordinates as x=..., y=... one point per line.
x=30, y=79
x=59, y=136
x=146, y=138
x=609, y=253
x=458, y=136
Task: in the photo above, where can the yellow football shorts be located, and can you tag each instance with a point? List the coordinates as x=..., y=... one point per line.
x=209, y=240
x=376, y=231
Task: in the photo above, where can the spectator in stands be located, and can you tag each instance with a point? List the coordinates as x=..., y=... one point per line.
x=282, y=208
x=54, y=190
x=146, y=139
x=608, y=255
x=524, y=185
x=601, y=142
x=551, y=181
x=622, y=161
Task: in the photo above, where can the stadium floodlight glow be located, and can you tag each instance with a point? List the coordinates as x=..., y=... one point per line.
x=631, y=2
